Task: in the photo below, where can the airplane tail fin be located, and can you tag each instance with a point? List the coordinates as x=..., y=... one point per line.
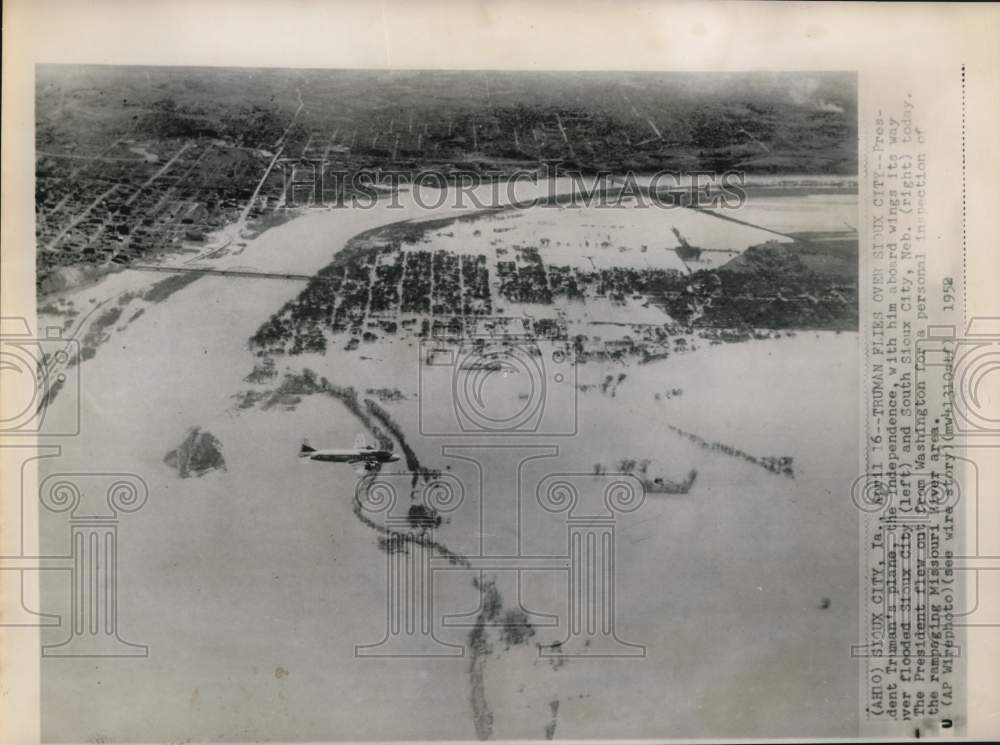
x=360, y=441
x=306, y=449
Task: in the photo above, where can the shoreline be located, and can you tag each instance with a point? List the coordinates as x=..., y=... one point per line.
x=279, y=216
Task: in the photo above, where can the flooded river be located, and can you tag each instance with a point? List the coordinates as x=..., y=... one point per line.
x=279, y=581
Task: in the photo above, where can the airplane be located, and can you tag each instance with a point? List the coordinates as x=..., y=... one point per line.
x=363, y=455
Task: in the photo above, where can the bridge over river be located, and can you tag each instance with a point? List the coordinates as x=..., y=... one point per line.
x=247, y=273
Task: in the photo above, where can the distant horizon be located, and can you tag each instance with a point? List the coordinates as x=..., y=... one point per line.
x=529, y=71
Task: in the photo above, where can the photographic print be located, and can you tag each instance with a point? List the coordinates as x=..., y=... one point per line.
x=447, y=404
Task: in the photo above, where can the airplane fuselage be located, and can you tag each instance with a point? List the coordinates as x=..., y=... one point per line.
x=361, y=455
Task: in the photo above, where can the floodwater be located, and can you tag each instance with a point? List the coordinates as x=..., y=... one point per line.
x=252, y=586
x=811, y=213
x=595, y=238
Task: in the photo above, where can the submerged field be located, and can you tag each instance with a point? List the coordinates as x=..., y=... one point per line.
x=252, y=584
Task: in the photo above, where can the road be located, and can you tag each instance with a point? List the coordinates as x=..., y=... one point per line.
x=79, y=217
x=166, y=167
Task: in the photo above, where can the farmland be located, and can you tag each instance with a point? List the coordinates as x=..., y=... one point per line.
x=135, y=161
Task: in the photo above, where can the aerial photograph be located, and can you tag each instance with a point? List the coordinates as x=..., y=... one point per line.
x=448, y=404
